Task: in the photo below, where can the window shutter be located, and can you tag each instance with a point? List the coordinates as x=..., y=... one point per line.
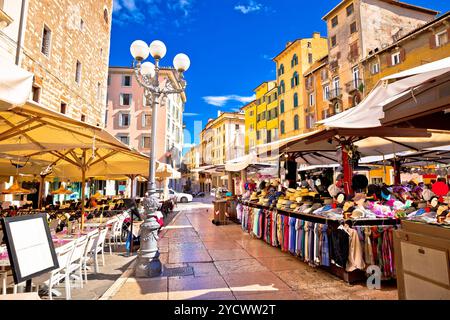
x=433, y=41
x=402, y=54
x=120, y=119
x=389, y=60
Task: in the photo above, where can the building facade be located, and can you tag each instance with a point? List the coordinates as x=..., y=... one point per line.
x=10, y=16
x=316, y=94
x=222, y=140
x=129, y=116
x=292, y=62
x=249, y=111
x=356, y=28
x=66, y=46
x=425, y=44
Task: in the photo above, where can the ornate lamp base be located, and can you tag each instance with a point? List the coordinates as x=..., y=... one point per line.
x=148, y=264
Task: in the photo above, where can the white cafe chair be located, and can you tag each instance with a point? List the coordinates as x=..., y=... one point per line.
x=76, y=260
x=89, y=251
x=64, y=254
x=99, y=248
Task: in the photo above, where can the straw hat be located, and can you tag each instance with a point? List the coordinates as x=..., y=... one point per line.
x=254, y=196
x=347, y=206
x=293, y=206
x=357, y=213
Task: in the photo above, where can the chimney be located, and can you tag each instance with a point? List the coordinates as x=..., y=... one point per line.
x=219, y=113
x=316, y=35
x=288, y=43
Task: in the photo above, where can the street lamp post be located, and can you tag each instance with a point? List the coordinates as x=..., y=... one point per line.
x=147, y=75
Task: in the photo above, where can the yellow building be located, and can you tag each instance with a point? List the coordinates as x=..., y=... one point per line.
x=250, y=125
x=292, y=63
x=356, y=28
x=266, y=112
x=425, y=44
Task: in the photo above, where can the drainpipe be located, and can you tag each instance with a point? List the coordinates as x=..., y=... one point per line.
x=19, y=36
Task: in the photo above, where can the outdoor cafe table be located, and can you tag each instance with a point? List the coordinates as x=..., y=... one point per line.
x=59, y=240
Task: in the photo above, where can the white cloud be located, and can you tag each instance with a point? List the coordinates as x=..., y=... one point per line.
x=190, y=114
x=220, y=101
x=154, y=13
x=189, y=145
x=252, y=6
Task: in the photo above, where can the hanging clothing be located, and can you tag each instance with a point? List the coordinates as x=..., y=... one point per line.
x=340, y=247
x=274, y=229
x=355, y=254
x=286, y=234
x=311, y=242
x=388, y=254
x=317, y=243
x=325, y=256
x=292, y=234
x=306, y=242
x=368, y=253
x=280, y=229
x=298, y=238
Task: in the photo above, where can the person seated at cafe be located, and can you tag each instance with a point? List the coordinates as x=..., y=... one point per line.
x=92, y=202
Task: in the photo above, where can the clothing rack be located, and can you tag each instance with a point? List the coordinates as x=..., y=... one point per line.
x=350, y=277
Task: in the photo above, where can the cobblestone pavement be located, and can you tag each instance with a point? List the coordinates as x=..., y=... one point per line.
x=229, y=264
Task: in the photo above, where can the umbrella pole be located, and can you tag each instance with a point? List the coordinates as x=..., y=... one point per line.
x=83, y=186
x=41, y=191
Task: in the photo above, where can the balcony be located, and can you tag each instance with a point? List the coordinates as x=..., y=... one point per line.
x=5, y=20
x=334, y=94
x=353, y=85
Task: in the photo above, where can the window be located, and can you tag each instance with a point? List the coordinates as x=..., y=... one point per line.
x=375, y=68
x=309, y=121
x=145, y=142
x=355, y=72
x=78, y=72
x=124, y=139
x=46, y=41
x=81, y=25
x=354, y=51
x=309, y=44
x=281, y=70
x=350, y=10
x=281, y=88
x=124, y=119
x=251, y=113
x=83, y=118
x=353, y=27
x=126, y=81
x=311, y=99
x=63, y=108
x=236, y=127
x=441, y=38
x=294, y=80
x=324, y=74
x=125, y=99
x=334, y=22
x=337, y=107
x=281, y=106
x=295, y=100
x=282, y=126
x=106, y=15
x=258, y=135
x=146, y=120
x=326, y=92
x=296, y=126
x=35, y=93
x=333, y=41
x=294, y=60
x=99, y=91
x=310, y=58
x=395, y=58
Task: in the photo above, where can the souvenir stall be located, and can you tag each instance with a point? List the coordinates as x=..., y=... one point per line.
x=351, y=233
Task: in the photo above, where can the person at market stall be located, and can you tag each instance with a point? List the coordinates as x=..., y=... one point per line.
x=92, y=202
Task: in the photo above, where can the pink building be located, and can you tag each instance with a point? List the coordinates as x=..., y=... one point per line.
x=129, y=118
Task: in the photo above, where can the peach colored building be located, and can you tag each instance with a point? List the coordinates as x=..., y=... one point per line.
x=129, y=118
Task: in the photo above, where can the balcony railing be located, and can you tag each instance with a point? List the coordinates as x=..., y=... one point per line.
x=353, y=85
x=334, y=93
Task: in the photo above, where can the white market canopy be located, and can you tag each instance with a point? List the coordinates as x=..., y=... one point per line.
x=362, y=123
x=249, y=161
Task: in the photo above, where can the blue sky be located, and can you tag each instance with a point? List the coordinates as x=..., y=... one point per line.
x=230, y=43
